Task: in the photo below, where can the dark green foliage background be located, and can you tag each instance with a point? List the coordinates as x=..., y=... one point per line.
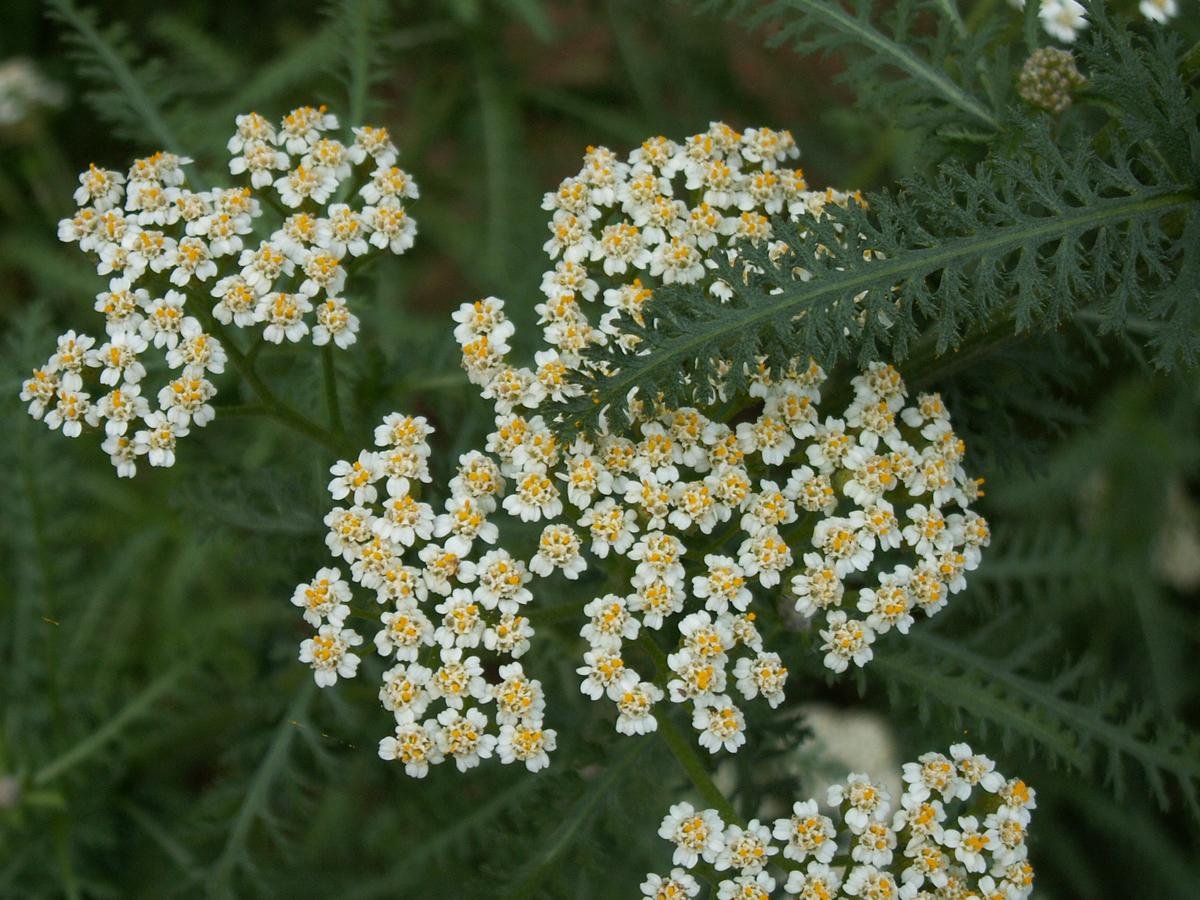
x=166, y=740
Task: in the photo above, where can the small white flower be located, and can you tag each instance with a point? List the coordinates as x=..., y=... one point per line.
x=119, y=407
x=1063, y=19
x=122, y=454
x=559, y=548
x=746, y=887
x=414, y=745
x=846, y=641
x=328, y=653
x=335, y=323
x=518, y=698
x=604, y=673
x=502, y=581
x=404, y=692
x=101, y=188
x=611, y=527
x=816, y=882
x=284, y=314
x=157, y=441
x=462, y=624
x=458, y=679
x=723, y=586
x=119, y=359
x=975, y=769
x=609, y=623
x=405, y=631
x=970, y=844
x=746, y=849
x=324, y=599
x=356, y=478
x=695, y=834
x=809, y=834
x=864, y=801
x=464, y=737
x=678, y=885
x=870, y=882
x=874, y=845
x=164, y=320
x=635, y=707
x=405, y=520
x=763, y=674
x=527, y=742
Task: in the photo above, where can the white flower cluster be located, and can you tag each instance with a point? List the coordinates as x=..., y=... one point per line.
x=24, y=90
x=1065, y=20
x=877, y=495
x=958, y=831
x=168, y=251
x=621, y=228
x=443, y=612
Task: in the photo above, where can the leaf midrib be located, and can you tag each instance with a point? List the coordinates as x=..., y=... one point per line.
x=901, y=56
x=892, y=270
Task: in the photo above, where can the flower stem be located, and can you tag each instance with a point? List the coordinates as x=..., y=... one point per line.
x=271, y=404
x=331, y=392
x=684, y=753
x=691, y=763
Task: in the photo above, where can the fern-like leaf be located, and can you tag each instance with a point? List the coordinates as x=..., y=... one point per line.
x=127, y=92
x=360, y=61
x=1020, y=242
x=984, y=690
x=922, y=41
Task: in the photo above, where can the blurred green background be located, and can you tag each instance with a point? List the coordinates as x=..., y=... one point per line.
x=159, y=738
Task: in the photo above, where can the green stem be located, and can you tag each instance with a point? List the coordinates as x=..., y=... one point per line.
x=271, y=404
x=687, y=757
x=332, y=403
x=684, y=753
x=693, y=765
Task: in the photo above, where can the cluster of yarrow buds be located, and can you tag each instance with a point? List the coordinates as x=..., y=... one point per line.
x=958, y=830
x=860, y=520
x=1048, y=79
x=178, y=262
x=450, y=606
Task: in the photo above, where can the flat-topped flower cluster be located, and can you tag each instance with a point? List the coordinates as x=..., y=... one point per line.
x=861, y=520
x=621, y=228
x=448, y=606
x=178, y=261
x=958, y=830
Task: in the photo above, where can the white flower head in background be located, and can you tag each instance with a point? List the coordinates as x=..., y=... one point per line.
x=24, y=90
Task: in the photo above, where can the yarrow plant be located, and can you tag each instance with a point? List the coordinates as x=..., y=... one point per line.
x=718, y=470
x=449, y=608
x=858, y=520
x=271, y=255
x=958, y=830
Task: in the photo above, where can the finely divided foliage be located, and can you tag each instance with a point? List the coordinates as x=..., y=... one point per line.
x=943, y=79
x=1043, y=227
